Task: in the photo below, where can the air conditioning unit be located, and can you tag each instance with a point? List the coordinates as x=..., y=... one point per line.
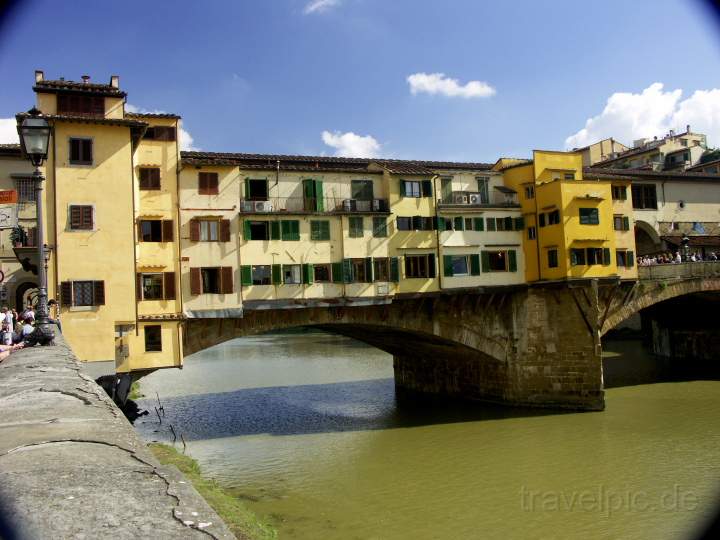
x=263, y=206
x=460, y=198
x=247, y=206
x=350, y=205
x=376, y=205
x=474, y=198
x=382, y=289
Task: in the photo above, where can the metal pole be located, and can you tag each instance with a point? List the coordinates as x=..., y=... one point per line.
x=43, y=333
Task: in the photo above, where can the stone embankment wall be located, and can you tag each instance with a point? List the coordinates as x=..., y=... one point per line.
x=71, y=466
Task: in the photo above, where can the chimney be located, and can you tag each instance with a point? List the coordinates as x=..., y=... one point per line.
x=85, y=79
x=687, y=128
x=39, y=75
x=115, y=81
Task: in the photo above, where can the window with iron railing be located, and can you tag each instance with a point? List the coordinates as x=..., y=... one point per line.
x=25, y=189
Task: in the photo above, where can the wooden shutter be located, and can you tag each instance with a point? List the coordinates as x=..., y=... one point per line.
x=195, y=282
x=247, y=188
x=202, y=183
x=606, y=256
x=347, y=271
x=629, y=259
x=485, y=258
x=226, y=280
x=512, y=261
x=490, y=223
x=337, y=272
x=276, y=274
x=459, y=223
x=143, y=179
x=247, y=235
x=274, y=230
x=368, y=270
x=87, y=217
x=212, y=183
x=427, y=188
x=138, y=286
x=626, y=223
x=194, y=230
x=475, y=264
x=75, y=217
x=431, y=266
x=98, y=293
x=246, y=275
x=440, y=223
x=224, y=230
x=169, y=285
x=66, y=294
x=394, y=269
x=447, y=266
x=167, y=230
x=417, y=223
x=519, y=223
x=307, y=273
x=508, y=223
x=478, y=224
x=402, y=188
x=319, y=200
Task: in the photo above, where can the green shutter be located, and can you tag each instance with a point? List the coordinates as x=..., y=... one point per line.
x=490, y=223
x=274, y=230
x=519, y=224
x=606, y=256
x=319, y=201
x=512, y=261
x=247, y=187
x=478, y=224
x=368, y=270
x=508, y=223
x=307, y=273
x=474, y=264
x=427, y=188
x=485, y=257
x=337, y=272
x=347, y=271
x=459, y=223
x=431, y=266
x=276, y=274
x=246, y=229
x=629, y=259
x=626, y=223
x=246, y=275
x=314, y=230
x=290, y=229
x=447, y=266
x=402, y=188
x=394, y=269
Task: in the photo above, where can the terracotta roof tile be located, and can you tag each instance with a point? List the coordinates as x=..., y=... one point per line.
x=152, y=115
x=74, y=86
x=633, y=174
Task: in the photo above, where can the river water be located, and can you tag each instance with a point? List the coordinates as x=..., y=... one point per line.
x=305, y=429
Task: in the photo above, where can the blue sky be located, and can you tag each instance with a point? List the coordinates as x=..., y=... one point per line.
x=270, y=76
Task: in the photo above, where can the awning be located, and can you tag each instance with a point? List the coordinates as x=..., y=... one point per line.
x=696, y=241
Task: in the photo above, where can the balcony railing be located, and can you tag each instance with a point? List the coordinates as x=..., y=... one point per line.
x=477, y=199
x=313, y=205
x=680, y=270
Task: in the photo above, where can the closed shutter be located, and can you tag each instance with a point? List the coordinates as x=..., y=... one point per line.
x=394, y=269
x=459, y=223
x=368, y=270
x=98, y=293
x=224, y=230
x=195, y=284
x=167, y=230
x=202, y=183
x=347, y=271
x=194, y=230
x=512, y=261
x=402, y=188
x=213, y=183
x=606, y=256
x=274, y=230
x=485, y=258
x=417, y=222
x=447, y=266
x=307, y=273
x=276, y=274
x=169, y=285
x=431, y=266
x=440, y=223
x=66, y=294
x=226, y=280
x=319, y=200
x=626, y=223
x=475, y=264
x=508, y=223
x=144, y=184
x=629, y=259
x=337, y=272
x=138, y=286
x=246, y=275
x=75, y=217
x=247, y=234
x=426, y=188
x=519, y=224
x=478, y=224
x=247, y=188
x=490, y=223
x=87, y=217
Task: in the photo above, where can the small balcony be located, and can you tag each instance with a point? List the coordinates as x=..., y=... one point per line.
x=313, y=205
x=501, y=197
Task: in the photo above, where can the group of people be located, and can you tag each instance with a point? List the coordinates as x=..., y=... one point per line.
x=670, y=258
x=16, y=327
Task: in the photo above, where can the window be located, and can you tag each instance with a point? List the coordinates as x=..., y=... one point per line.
x=361, y=190
x=404, y=224
x=81, y=217
x=381, y=269
x=160, y=133
x=569, y=176
x=552, y=257
x=291, y=274
x=594, y=256
x=577, y=257
x=420, y=266
x=541, y=219
x=149, y=178
x=529, y=192
x=356, y=227
x=411, y=188
x=81, y=151
x=210, y=280
x=490, y=224
x=261, y=274
x=644, y=196
x=379, y=227
x=290, y=229
x=259, y=230
x=79, y=105
x=554, y=217
x=214, y=230
x=359, y=270
x=621, y=223
x=256, y=189
x=82, y=293
x=319, y=230
x=504, y=223
x=152, y=286
x=531, y=233
x=155, y=230
x=26, y=190
x=619, y=193
x=208, y=230
x=589, y=216
x=321, y=273
x=459, y=264
x=153, y=338
x=625, y=258
x=459, y=223
x=214, y=280
x=208, y=183
x=483, y=189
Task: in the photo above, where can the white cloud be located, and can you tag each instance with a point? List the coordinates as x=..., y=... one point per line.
x=8, y=131
x=628, y=116
x=319, y=6
x=438, y=83
x=351, y=145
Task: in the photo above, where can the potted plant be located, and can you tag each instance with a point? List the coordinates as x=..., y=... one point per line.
x=18, y=236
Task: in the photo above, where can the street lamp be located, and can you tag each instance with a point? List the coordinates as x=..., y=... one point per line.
x=34, y=132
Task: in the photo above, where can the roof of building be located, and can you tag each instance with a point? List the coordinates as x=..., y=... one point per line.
x=62, y=85
x=12, y=150
x=632, y=174
x=701, y=165
x=152, y=115
x=89, y=120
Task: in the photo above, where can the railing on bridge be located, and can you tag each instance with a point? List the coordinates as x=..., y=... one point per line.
x=680, y=270
x=312, y=205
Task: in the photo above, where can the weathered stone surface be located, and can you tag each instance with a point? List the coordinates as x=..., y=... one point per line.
x=71, y=466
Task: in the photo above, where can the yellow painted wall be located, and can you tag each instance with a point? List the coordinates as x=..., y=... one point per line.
x=517, y=178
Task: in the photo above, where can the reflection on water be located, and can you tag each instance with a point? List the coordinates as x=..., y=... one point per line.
x=306, y=429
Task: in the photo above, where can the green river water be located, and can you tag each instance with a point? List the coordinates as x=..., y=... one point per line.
x=305, y=429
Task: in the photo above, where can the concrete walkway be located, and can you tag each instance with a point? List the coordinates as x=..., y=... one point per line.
x=71, y=466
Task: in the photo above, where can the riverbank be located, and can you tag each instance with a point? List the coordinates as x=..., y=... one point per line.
x=241, y=521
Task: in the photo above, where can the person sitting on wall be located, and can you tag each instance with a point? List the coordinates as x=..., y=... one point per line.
x=29, y=312
x=27, y=328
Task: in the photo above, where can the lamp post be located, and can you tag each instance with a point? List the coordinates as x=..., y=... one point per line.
x=34, y=132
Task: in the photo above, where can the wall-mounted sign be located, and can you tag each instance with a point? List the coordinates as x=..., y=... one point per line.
x=8, y=216
x=8, y=196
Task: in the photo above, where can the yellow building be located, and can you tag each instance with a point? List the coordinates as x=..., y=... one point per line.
x=575, y=228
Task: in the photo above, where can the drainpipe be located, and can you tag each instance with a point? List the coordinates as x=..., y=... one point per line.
x=240, y=232
x=135, y=236
x=439, y=267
